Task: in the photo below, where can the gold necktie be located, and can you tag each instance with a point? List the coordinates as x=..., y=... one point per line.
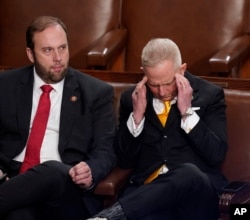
x=163, y=118
x=164, y=115
x=153, y=176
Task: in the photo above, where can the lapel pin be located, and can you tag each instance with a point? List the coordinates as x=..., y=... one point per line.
x=73, y=98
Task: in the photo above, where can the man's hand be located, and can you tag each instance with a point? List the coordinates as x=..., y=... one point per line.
x=185, y=92
x=81, y=175
x=139, y=100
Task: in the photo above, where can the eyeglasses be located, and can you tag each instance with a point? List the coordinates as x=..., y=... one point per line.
x=162, y=84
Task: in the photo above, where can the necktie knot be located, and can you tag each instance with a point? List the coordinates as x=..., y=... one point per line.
x=164, y=115
x=167, y=107
x=46, y=88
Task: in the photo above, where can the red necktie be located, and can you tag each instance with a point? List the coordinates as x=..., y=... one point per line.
x=32, y=155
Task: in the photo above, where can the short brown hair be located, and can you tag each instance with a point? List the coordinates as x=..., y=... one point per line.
x=38, y=25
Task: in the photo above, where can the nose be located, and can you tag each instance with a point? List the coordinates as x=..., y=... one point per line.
x=161, y=90
x=57, y=56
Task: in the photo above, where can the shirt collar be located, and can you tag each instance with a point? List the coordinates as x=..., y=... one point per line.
x=159, y=105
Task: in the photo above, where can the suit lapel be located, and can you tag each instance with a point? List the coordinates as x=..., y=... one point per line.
x=71, y=107
x=173, y=115
x=152, y=116
x=150, y=112
x=194, y=84
x=24, y=103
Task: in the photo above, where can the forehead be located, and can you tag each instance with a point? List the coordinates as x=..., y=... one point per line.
x=51, y=36
x=162, y=72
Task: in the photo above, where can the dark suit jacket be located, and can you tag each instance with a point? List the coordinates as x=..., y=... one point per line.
x=205, y=146
x=87, y=125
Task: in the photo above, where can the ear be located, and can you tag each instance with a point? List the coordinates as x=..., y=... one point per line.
x=183, y=68
x=30, y=55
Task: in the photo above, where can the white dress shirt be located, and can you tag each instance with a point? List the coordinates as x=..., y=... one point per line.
x=49, y=149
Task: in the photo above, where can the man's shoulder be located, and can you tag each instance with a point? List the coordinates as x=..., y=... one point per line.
x=202, y=84
x=86, y=81
x=84, y=76
x=13, y=77
x=16, y=71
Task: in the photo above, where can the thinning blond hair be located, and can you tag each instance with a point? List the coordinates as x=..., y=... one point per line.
x=160, y=49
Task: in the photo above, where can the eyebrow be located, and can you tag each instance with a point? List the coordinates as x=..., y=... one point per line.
x=168, y=83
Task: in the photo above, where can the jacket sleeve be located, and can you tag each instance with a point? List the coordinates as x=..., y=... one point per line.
x=208, y=137
x=126, y=145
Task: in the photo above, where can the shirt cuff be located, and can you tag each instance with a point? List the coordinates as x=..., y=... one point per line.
x=189, y=123
x=135, y=129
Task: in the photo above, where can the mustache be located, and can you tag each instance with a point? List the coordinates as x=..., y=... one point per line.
x=58, y=65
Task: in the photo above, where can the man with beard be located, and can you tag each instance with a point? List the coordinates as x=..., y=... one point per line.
x=55, y=180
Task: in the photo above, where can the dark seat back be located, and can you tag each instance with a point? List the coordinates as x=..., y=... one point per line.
x=237, y=163
x=87, y=21
x=199, y=27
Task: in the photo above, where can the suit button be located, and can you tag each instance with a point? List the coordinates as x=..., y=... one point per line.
x=165, y=136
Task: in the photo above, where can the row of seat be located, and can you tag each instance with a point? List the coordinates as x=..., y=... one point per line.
x=213, y=35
